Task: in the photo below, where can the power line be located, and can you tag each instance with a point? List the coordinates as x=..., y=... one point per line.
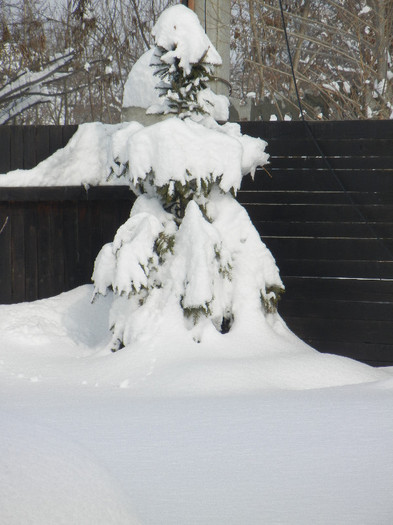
x=322, y=154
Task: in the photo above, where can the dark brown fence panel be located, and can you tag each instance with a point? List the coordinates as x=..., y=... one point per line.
x=326, y=213
x=5, y=148
x=23, y=147
x=53, y=235
x=5, y=252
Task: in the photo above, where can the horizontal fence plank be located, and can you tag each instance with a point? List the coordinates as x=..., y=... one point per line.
x=345, y=129
x=334, y=268
x=320, y=212
x=334, y=162
x=344, y=330
x=66, y=193
x=344, y=249
x=352, y=230
x=319, y=307
x=296, y=147
x=373, y=290
x=319, y=180
x=315, y=197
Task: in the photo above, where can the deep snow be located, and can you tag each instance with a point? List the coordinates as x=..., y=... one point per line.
x=227, y=435
x=251, y=427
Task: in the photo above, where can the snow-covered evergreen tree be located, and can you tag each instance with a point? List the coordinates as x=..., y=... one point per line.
x=183, y=59
x=183, y=62
x=188, y=248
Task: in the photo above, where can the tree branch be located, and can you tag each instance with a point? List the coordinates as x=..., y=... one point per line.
x=18, y=83
x=4, y=225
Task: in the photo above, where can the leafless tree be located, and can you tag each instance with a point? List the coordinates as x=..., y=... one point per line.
x=107, y=37
x=341, y=53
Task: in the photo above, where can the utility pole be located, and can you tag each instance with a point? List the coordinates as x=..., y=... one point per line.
x=215, y=18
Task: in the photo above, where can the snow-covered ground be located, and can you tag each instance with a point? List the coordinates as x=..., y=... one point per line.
x=258, y=431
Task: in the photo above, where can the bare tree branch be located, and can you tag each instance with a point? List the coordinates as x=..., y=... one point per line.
x=4, y=225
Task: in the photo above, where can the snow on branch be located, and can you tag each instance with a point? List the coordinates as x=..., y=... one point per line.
x=25, y=80
x=20, y=105
x=30, y=88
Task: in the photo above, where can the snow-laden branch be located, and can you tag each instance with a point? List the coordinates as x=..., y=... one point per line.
x=20, y=105
x=30, y=88
x=26, y=80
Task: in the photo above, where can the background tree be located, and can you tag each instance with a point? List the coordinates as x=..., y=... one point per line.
x=108, y=36
x=341, y=55
x=31, y=88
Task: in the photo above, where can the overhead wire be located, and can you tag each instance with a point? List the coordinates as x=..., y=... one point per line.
x=320, y=151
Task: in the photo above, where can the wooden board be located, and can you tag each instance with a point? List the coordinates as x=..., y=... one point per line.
x=5, y=149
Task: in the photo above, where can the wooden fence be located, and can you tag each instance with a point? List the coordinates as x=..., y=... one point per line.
x=326, y=213
x=23, y=147
x=53, y=236
x=331, y=231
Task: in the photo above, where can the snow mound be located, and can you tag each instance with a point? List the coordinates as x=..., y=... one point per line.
x=85, y=160
x=49, y=479
x=171, y=151
x=72, y=350
x=174, y=146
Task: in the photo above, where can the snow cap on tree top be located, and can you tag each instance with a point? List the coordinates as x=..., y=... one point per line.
x=178, y=30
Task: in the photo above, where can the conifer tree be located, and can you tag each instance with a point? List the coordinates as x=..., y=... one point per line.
x=178, y=88
x=188, y=247
x=184, y=72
